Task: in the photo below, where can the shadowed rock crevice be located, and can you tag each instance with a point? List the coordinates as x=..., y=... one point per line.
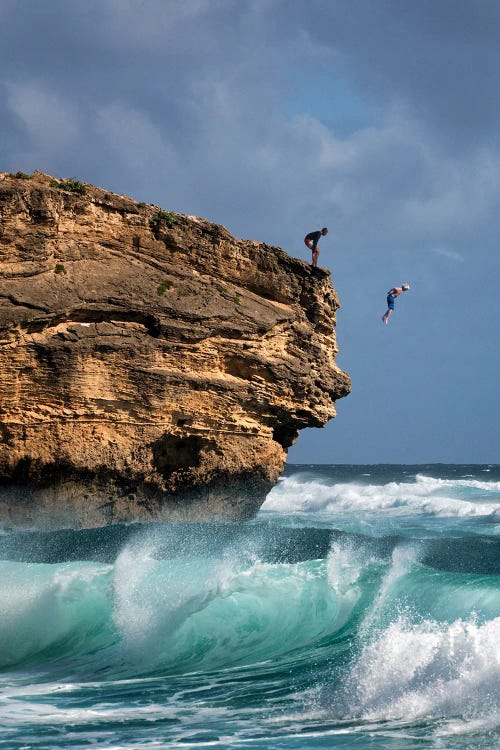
x=153, y=365
x=174, y=453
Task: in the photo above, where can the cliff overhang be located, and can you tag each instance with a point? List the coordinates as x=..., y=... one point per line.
x=153, y=365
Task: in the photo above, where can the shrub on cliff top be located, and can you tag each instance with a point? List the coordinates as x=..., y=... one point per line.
x=21, y=176
x=71, y=186
x=164, y=217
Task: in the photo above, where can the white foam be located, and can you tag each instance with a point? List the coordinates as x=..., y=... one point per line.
x=426, y=495
x=40, y=714
x=429, y=670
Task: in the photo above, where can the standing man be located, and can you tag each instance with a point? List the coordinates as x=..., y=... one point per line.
x=391, y=296
x=311, y=240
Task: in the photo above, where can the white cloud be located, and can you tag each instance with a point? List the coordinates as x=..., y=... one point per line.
x=50, y=120
x=446, y=252
x=135, y=140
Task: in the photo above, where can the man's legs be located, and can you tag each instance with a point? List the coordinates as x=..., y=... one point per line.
x=386, y=316
x=315, y=253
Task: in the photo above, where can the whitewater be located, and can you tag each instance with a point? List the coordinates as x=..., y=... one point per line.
x=359, y=609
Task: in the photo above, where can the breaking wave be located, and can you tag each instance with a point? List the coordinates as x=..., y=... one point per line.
x=271, y=633
x=423, y=495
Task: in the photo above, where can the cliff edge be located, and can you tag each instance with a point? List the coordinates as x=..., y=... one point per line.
x=152, y=365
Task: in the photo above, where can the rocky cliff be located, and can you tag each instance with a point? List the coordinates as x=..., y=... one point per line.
x=152, y=365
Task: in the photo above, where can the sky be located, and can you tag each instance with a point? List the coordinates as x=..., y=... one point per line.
x=379, y=119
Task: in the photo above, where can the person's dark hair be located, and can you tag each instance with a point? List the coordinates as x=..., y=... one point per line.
x=325, y=229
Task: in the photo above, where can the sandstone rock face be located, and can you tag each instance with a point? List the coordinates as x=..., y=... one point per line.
x=152, y=365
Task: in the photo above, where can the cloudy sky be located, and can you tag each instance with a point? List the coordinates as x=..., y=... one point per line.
x=377, y=118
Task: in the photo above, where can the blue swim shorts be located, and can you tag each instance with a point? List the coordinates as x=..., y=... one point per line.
x=390, y=302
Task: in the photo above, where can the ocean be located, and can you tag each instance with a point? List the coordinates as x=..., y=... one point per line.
x=359, y=609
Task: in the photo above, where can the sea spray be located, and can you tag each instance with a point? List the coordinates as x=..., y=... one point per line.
x=217, y=612
x=385, y=603
x=432, y=670
x=152, y=598
x=48, y=611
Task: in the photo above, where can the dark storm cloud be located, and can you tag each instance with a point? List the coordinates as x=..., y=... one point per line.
x=185, y=103
x=182, y=76
x=234, y=110
x=124, y=91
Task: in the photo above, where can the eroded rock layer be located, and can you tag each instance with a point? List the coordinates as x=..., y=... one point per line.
x=152, y=365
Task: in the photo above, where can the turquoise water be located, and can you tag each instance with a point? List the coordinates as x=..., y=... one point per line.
x=361, y=609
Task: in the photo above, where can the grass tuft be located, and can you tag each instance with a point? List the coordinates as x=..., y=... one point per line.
x=163, y=218
x=167, y=284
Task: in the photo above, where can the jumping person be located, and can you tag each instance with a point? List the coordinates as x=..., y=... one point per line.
x=311, y=240
x=391, y=296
